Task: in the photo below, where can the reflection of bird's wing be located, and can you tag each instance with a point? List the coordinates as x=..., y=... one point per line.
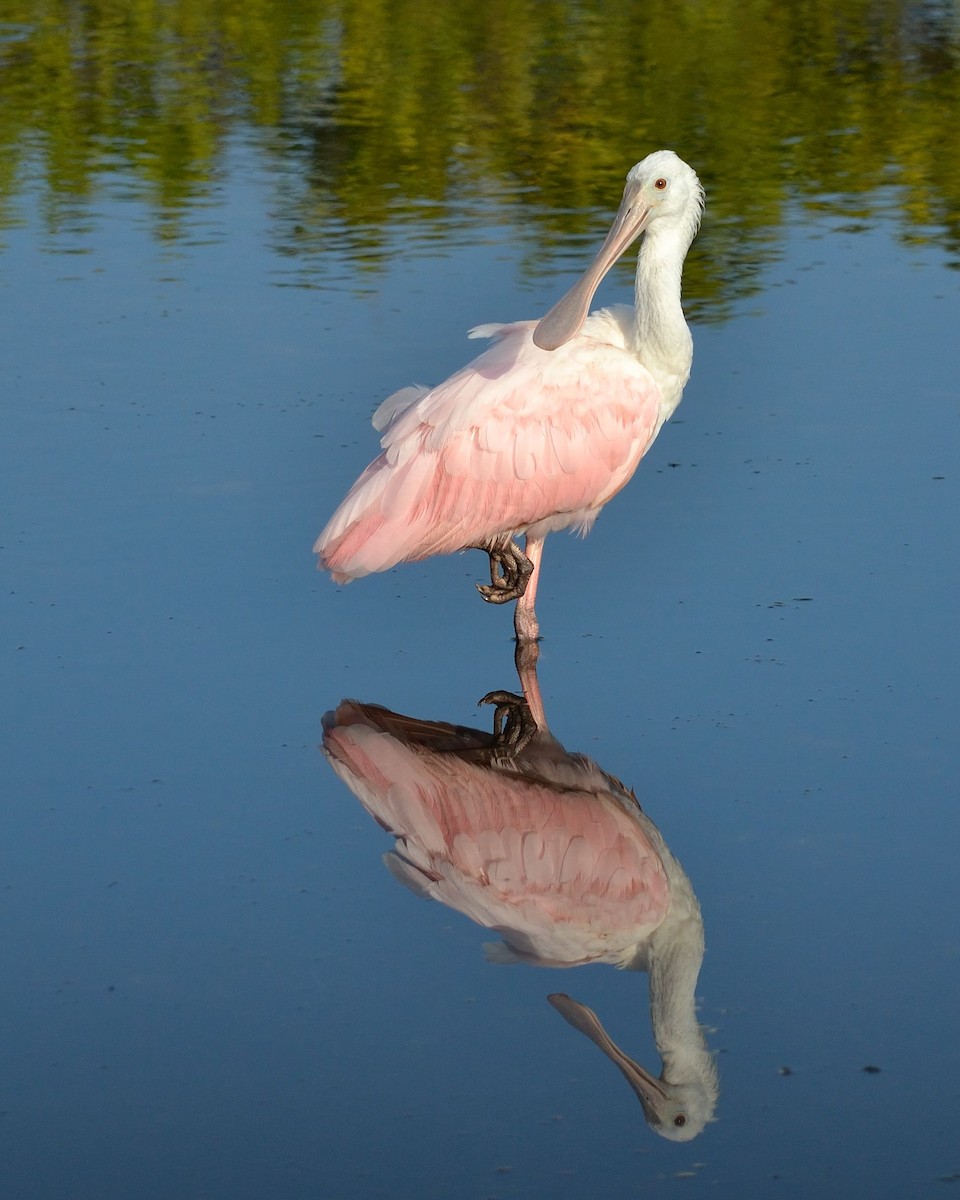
x=518, y=436
x=440, y=736
x=565, y=876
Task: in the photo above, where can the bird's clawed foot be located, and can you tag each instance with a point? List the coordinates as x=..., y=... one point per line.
x=510, y=570
x=513, y=723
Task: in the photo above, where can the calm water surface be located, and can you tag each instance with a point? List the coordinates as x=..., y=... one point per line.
x=213, y=987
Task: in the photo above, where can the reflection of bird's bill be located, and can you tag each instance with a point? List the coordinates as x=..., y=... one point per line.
x=647, y=1087
x=564, y=320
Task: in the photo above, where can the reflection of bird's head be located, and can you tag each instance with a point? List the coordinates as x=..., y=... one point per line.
x=681, y=1112
x=676, y=1110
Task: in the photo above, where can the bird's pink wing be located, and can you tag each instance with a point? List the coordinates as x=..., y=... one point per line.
x=519, y=436
x=570, y=874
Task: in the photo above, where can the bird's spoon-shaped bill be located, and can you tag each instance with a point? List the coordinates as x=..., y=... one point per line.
x=565, y=319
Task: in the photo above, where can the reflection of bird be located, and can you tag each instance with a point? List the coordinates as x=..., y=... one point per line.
x=555, y=855
x=541, y=430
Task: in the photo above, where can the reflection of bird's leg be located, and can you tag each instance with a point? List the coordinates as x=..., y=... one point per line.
x=510, y=570
x=513, y=725
x=525, y=658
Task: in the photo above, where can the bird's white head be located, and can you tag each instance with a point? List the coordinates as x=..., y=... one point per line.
x=665, y=190
x=662, y=193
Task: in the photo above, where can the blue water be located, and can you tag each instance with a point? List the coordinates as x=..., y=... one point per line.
x=212, y=986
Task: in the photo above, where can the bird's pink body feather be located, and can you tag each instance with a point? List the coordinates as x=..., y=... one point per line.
x=519, y=440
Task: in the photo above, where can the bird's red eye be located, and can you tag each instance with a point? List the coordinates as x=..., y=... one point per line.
x=660, y=184
x=679, y=1120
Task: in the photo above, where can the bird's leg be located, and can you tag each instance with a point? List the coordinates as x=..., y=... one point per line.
x=524, y=618
x=510, y=571
x=513, y=723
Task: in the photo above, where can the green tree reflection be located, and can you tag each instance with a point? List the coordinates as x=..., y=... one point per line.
x=375, y=113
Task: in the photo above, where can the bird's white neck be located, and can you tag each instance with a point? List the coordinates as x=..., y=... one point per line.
x=662, y=340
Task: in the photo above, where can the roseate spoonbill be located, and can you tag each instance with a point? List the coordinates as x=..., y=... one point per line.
x=544, y=427
x=555, y=855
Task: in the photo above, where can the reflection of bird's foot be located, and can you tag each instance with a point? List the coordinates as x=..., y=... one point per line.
x=513, y=723
x=509, y=571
